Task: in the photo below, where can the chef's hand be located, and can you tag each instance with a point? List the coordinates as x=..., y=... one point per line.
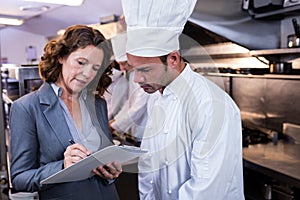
x=109, y=171
x=75, y=153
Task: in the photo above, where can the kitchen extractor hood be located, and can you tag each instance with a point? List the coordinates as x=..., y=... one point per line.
x=232, y=21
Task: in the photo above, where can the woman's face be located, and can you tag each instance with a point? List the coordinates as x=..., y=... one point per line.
x=79, y=68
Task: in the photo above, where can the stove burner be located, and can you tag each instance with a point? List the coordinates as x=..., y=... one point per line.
x=254, y=137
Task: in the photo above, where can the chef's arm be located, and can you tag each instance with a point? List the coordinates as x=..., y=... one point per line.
x=130, y=114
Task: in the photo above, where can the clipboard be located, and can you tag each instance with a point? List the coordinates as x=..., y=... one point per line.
x=83, y=169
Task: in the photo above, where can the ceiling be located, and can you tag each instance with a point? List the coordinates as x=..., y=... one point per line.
x=226, y=18
x=48, y=22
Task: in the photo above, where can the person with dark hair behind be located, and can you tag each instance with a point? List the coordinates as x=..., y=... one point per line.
x=75, y=71
x=117, y=92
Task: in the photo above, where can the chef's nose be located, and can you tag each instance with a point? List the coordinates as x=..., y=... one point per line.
x=138, y=77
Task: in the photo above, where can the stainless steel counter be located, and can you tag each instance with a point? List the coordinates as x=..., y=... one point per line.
x=281, y=161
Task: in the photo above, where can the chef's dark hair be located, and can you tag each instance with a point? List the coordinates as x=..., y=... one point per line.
x=163, y=58
x=75, y=37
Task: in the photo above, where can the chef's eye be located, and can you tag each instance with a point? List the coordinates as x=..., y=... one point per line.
x=144, y=70
x=96, y=67
x=81, y=62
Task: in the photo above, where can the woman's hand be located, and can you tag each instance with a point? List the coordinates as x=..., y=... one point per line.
x=75, y=153
x=109, y=171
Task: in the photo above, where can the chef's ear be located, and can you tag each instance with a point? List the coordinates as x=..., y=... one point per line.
x=173, y=59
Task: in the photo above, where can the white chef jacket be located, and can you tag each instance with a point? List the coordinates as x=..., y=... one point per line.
x=194, y=138
x=133, y=115
x=117, y=93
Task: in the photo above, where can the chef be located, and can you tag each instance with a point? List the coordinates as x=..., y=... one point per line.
x=193, y=133
x=132, y=116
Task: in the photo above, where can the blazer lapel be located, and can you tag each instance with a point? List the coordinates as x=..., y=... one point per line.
x=54, y=114
x=98, y=121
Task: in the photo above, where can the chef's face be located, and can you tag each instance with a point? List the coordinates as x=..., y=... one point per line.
x=150, y=73
x=124, y=66
x=80, y=68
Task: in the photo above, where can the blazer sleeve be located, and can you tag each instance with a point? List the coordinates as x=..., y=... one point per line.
x=26, y=168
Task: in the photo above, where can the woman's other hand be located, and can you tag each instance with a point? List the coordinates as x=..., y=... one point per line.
x=109, y=171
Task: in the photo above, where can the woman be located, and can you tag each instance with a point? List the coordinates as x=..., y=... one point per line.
x=63, y=109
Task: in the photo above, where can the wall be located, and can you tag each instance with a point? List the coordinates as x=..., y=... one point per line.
x=265, y=101
x=14, y=42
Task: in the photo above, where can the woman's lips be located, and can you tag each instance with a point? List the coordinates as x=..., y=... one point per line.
x=81, y=82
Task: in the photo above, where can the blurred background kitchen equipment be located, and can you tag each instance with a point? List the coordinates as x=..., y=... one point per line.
x=287, y=3
x=294, y=39
x=292, y=131
x=280, y=68
x=260, y=6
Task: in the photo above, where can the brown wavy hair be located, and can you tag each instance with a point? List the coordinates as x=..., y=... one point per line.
x=75, y=37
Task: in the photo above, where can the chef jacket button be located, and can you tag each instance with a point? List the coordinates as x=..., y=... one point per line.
x=150, y=155
x=166, y=131
x=166, y=163
x=169, y=192
x=151, y=182
x=175, y=99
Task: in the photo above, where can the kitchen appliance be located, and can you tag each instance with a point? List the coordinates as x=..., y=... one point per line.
x=280, y=68
x=259, y=136
x=293, y=40
x=292, y=131
x=260, y=6
x=254, y=71
x=287, y=3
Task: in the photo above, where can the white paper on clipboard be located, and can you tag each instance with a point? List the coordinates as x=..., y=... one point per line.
x=83, y=169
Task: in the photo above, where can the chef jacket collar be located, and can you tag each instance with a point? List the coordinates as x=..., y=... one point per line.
x=177, y=86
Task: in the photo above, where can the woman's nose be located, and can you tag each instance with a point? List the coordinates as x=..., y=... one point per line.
x=87, y=71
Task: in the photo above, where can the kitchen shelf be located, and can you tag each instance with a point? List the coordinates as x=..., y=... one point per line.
x=281, y=55
x=231, y=50
x=275, y=52
x=264, y=76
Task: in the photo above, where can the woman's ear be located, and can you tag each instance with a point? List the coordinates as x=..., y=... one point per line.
x=60, y=60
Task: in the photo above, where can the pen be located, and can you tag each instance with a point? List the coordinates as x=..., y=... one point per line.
x=71, y=141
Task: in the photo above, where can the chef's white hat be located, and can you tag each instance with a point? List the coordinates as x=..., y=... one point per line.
x=154, y=26
x=118, y=43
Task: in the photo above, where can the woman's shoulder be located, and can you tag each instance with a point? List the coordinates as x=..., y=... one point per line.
x=28, y=98
x=34, y=97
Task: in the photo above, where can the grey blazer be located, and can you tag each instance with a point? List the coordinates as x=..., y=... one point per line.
x=39, y=136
